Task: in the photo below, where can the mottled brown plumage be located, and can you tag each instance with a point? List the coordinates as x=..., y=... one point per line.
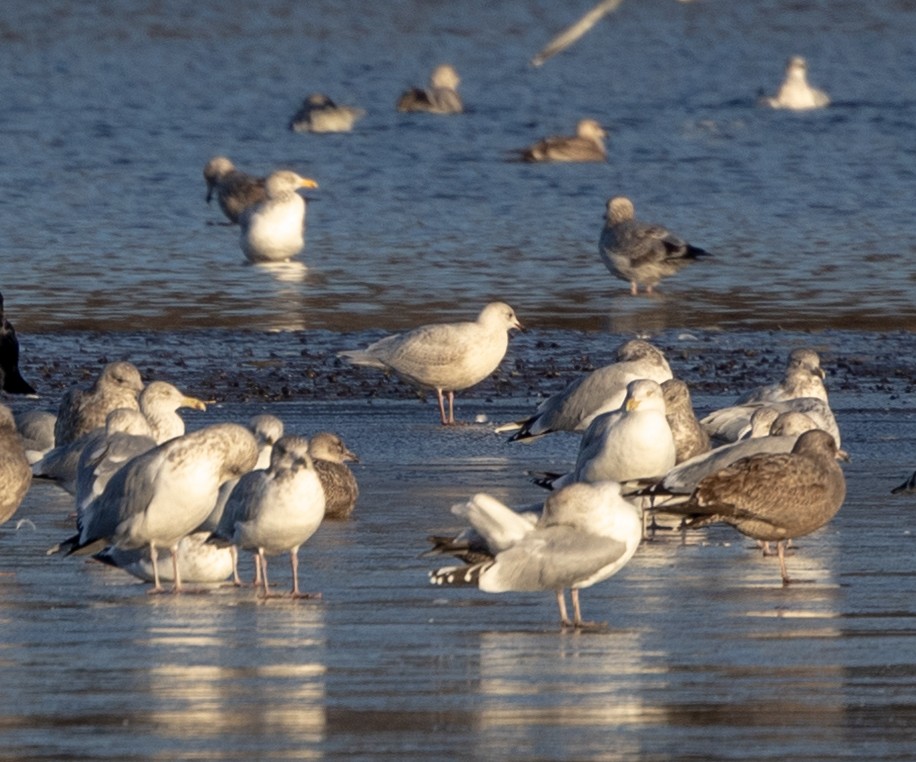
x=689, y=437
x=81, y=411
x=330, y=456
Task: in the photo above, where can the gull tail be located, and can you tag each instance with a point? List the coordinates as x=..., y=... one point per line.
x=908, y=486
x=459, y=576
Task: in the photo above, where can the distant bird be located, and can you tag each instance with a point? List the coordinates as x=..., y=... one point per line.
x=235, y=191
x=586, y=145
x=80, y=411
x=11, y=380
x=572, y=33
x=600, y=391
x=585, y=534
x=440, y=97
x=273, y=230
x=15, y=473
x=908, y=487
x=163, y=495
x=159, y=403
x=330, y=456
x=641, y=253
x=795, y=93
x=319, y=113
x=447, y=357
x=275, y=511
x=773, y=497
x=690, y=438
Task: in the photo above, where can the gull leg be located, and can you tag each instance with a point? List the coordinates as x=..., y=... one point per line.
x=157, y=586
x=234, y=552
x=176, y=574
x=261, y=561
x=561, y=603
x=634, y=289
x=294, y=562
x=781, y=552
x=451, y=407
x=577, y=613
x=442, y=416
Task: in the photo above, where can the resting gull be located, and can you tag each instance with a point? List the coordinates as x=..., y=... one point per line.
x=36, y=427
x=795, y=93
x=235, y=191
x=773, y=496
x=159, y=403
x=690, y=439
x=80, y=411
x=198, y=561
x=804, y=377
x=274, y=229
x=585, y=534
x=163, y=495
x=330, y=456
x=15, y=473
x=447, y=357
x=638, y=252
x=586, y=145
x=319, y=113
x=11, y=380
x=440, y=97
x=600, y=391
x=276, y=510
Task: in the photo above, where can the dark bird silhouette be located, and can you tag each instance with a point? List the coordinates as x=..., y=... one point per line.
x=12, y=380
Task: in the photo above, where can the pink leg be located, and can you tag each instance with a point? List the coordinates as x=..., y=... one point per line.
x=442, y=416
x=451, y=407
x=157, y=586
x=261, y=561
x=176, y=573
x=234, y=552
x=634, y=289
x=294, y=566
x=561, y=603
x=781, y=552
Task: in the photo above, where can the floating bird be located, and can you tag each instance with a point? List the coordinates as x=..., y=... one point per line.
x=235, y=191
x=319, y=113
x=276, y=510
x=600, y=391
x=441, y=97
x=274, y=229
x=330, y=456
x=586, y=145
x=773, y=497
x=690, y=438
x=11, y=380
x=585, y=534
x=795, y=93
x=81, y=411
x=199, y=561
x=638, y=252
x=159, y=403
x=15, y=473
x=163, y=495
x=447, y=357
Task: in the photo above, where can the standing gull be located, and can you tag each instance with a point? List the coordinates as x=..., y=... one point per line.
x=440, y=97
x=319, y=113
x=330, y=456
x=274, y=229
x=15, y=474
x=159, y=402
x=586, y=145
x=795, y=93
x=773, y=497
x=586, y=533
x=81, y=411
x=235, y=191
x=600, y=391
x=11, y=380
x=163, y=495
x=638, y=252
x=447, y=357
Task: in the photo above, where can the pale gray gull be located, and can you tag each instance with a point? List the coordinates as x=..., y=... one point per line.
x=199, y=561
x=274, y=229
x=447, y=357
x=641, y=253
x=586, y=145
x=159, y=403
x=795, y=93
x=330, y=456
x=319, y=113
x=235, y=191
x=440, y=97
x=804, y=377
x=585, y=534
x=80, y=411
x=15, y=473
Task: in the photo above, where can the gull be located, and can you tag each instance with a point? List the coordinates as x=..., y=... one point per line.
x=908, y=487
x=440, y=97
x=199, y=561
x=235, y=191
x=163, y=495
x=586, y=533
x=586, y=145
x=690, y=438
x=276, y=510
x=11, y=380
x=80, y=411
x=795, y=93
x=447, y=357
x=572, y=33
x=773, y=497
x=330, y=456
x=600, y=391
x=15, y=473
x=638, y=252
x=159, y=403
x=804, y=377
x=273, y=230
x=36, y=427
x=319, y=113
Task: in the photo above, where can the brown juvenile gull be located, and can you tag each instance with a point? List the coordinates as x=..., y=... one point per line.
x=235, y=191
x=163, y=495
x=15, y=473
x=585, y=534
x=639, y=252
x=159, y=402
x=600, y=391
x=586, y=145
x=11, y=380
x=795, y=93
x=440, y=97
x=319, y=113
x=274, y=229
x=447, y=357
x=773, y=497
x=275, y=511
x=330, y=456
x=689, y=437
x=81, y=411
